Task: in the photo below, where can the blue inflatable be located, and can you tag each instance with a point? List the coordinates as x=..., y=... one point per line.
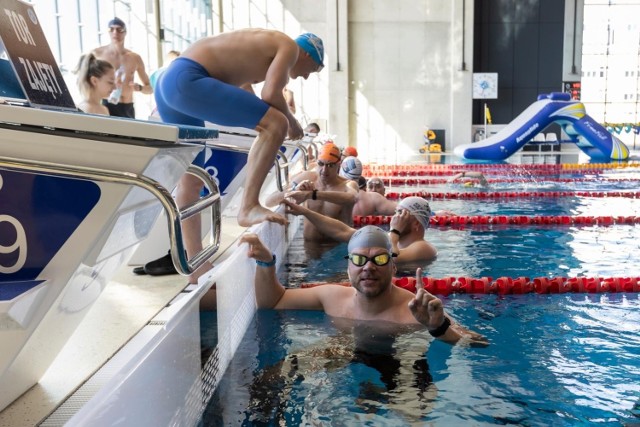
x=586, y=133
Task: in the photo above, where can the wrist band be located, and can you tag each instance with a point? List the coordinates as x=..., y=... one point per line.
x=314, y=195
x=394, y=231
x=440, y=330
x=267, y=263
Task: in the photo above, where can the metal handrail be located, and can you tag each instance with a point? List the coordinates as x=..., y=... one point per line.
x=234, y=148
x=278, y=166
x=212, y=200
x=305, y=152
x=174, y=214
x=283, y=166
x=315, y=148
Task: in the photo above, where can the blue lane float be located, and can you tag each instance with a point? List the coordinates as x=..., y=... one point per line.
x=591, y=137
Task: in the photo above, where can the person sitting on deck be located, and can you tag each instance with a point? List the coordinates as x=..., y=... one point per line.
x=371, y=296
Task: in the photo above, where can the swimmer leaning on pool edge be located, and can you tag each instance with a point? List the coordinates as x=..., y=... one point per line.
x=372, y=295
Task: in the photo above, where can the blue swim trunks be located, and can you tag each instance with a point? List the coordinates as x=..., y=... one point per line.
x=187, y=95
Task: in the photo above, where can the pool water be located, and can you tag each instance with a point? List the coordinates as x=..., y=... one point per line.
x=553, y=360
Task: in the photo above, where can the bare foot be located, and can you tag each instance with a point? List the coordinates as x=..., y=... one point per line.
x=258, y=214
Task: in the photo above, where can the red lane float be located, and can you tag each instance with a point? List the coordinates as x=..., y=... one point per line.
x=537, y=168
x=409, y=182
x=511, y=194
x=471, y=220
x=529, y=173
x=514, y=286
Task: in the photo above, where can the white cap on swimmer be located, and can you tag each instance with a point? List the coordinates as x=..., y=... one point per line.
x=350, y=168
x=369, y=236
x=418, y=207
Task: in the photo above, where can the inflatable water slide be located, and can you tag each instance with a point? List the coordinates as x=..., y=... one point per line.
x=556, y=107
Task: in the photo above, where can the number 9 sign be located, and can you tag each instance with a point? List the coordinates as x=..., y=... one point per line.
x=20, y=245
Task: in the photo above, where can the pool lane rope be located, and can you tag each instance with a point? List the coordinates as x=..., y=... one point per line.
x=510, y=194
x=514, y=286
x=408, y=182
x=375, y=169
x=473, y=220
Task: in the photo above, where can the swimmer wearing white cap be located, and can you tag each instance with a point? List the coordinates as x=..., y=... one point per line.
x=371, y=296
x=407, y=235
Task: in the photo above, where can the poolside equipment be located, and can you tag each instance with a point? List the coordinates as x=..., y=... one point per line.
x=591, y=137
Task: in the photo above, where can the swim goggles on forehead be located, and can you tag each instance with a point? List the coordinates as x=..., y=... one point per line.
x=379, y=260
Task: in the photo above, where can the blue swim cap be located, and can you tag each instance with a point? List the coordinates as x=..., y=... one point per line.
x=117, y=21
x=312, y=44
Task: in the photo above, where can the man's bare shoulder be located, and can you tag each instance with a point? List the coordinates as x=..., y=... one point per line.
x=132, y=55
x=343, y=184
x=99, y=51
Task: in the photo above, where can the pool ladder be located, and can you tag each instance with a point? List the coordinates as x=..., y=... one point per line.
x=175, y=216
x=281, y=163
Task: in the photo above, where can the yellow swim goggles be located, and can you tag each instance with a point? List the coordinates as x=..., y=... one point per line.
x=379, y=260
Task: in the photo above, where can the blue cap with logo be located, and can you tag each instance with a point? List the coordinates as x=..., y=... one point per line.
x=312, y=44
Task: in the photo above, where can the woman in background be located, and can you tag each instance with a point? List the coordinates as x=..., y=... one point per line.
x=96, y=80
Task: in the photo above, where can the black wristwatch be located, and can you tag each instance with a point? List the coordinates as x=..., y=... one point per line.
x=394, y=231
x=440, y=330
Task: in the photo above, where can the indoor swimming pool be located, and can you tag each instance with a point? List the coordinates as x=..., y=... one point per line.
x=554, y=359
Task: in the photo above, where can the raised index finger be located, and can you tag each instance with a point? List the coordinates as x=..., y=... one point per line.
x=419, y=283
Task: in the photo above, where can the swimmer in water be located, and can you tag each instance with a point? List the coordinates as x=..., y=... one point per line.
x=470, y=179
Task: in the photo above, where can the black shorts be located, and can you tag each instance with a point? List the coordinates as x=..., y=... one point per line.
x=121, y=109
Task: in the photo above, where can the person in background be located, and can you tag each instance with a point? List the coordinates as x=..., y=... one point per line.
x=371, y=296
x=368, y=203
x=96, y=80
x=406, y=234
x=127, y=64
x=323, y=189
x=291, y=102
x=349, y=151
x=312, y=128
x=153, y=78
x=351, y=168
x=469, y=178
x=375, y=184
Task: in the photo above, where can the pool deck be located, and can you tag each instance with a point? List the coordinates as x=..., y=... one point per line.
x=135, y=300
